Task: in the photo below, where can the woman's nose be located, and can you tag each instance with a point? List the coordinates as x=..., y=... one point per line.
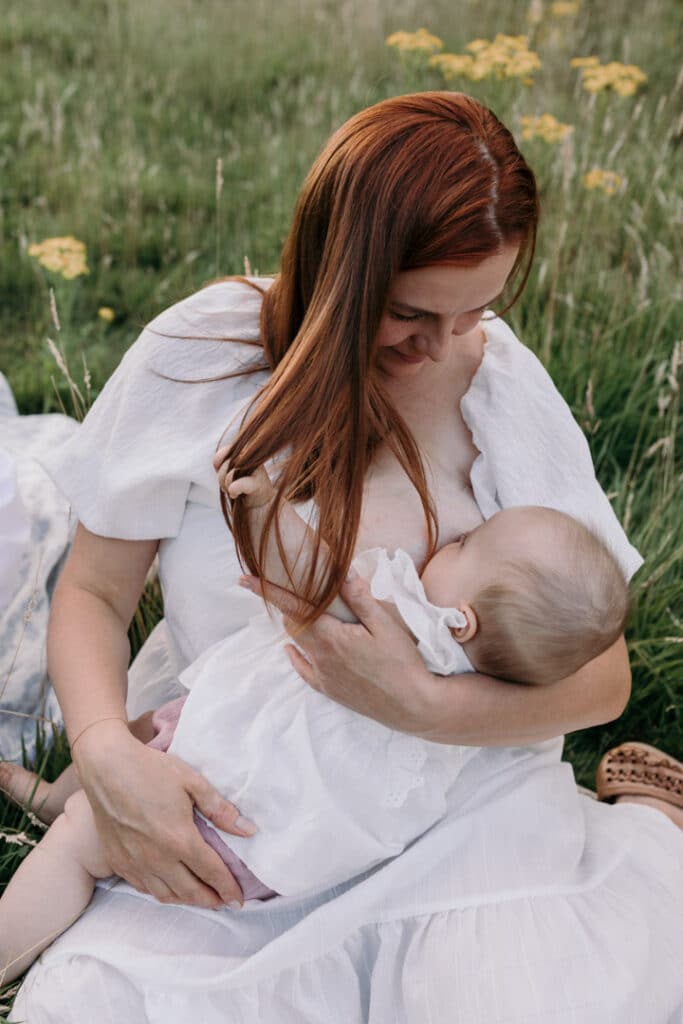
x=438, y=341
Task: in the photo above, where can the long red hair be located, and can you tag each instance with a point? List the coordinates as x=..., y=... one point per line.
x=428, y=178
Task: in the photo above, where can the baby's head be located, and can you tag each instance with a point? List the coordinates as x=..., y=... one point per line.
x=541, y=594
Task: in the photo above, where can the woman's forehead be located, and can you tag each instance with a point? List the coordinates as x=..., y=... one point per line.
x=435, y=289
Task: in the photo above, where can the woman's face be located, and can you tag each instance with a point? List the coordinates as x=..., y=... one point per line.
x=427, y=308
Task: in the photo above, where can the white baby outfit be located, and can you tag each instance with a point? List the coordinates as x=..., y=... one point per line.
x=346, y=792
x=526, y=903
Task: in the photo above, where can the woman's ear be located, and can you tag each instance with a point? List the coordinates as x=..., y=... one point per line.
x=464, y=633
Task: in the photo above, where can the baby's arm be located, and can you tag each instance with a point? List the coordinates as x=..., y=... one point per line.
x=298, y=539
x=51, y=888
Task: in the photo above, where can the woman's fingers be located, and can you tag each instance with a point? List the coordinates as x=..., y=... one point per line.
x=356, y=593
x=209, y=877
x=221, y=812
x=159, y=890
x=301, y=665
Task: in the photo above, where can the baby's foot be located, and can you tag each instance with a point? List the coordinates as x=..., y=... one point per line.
x=30, y=791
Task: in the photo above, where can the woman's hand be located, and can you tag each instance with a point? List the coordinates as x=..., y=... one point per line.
x=143, y=800
x=373, y=668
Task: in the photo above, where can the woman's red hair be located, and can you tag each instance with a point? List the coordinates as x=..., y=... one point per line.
x=428, y=178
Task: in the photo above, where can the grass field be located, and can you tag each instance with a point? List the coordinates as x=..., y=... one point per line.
x=116, y=114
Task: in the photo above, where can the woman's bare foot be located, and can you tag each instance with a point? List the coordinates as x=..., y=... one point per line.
x=45, y=799
x=674, y=813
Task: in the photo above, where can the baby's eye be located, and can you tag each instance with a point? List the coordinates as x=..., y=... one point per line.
x=402, y=316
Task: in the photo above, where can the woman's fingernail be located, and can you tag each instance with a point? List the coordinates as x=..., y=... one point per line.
x=234, y=905
x=245, y=825
x=245, y=581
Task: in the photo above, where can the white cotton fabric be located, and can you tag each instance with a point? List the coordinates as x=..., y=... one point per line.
x=527, y=903
x=347, y=792
x=14, y=529
x=35, y=533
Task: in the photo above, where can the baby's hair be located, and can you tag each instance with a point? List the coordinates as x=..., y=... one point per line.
x=539, y=623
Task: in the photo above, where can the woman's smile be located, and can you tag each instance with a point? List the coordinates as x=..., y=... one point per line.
x=411, y=358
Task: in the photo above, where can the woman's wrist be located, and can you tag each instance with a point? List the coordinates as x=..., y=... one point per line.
x=92, y=725
x=98, y=739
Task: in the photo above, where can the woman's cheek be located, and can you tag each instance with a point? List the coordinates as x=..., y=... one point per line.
x=392, y=332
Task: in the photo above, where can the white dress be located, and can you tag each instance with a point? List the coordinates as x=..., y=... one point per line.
x=343, y=792
x=528, y=903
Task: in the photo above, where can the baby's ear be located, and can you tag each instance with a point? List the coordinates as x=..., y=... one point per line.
x=467, y=632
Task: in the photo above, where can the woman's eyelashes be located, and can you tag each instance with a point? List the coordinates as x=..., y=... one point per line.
x=408, y=318
x=405, y=318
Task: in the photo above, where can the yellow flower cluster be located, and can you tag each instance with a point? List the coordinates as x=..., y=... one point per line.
x=421, y=41
x=623, y=78
x=564, y=8
x=505, y=57
x=608, y=182
x=545, y=127
x=106, y=313
x=65, y=256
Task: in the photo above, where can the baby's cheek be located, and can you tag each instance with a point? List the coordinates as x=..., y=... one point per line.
x=438, y=578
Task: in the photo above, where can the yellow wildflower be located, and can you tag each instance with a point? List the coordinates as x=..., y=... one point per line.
x=505, y=57
x=420, y=41
x=608, y=182
x=453, y=64
x=545, y=127
x=624, y=79
x=564, y=8
x=64, y=255
x=106, y=313
x=477, y=45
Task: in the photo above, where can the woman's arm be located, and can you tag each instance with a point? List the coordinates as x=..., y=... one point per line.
x=142, y=799
x=375, y=669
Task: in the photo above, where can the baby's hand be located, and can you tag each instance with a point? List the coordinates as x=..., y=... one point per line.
x=256, y=490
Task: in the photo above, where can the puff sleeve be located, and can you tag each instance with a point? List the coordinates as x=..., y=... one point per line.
x=146, y=444
x=532, y=450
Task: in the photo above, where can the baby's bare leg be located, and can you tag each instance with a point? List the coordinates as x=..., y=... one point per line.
x=47, y=799
x=52, y=887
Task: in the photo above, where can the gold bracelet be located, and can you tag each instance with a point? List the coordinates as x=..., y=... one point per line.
x=109, y=718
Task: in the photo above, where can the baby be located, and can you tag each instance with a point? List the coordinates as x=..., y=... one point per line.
x=530, y=595
x=537, y=594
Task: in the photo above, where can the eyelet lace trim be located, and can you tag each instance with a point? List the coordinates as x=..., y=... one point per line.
x=407, y=757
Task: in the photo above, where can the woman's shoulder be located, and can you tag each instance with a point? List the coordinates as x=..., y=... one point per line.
x=224, y=307
x=504, y=351
x=213, y=331
x=509, y=370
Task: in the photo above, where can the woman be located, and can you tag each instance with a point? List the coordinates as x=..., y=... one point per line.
x=523, y=903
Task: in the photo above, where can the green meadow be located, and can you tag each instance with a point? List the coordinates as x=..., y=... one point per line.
x=171, y=139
